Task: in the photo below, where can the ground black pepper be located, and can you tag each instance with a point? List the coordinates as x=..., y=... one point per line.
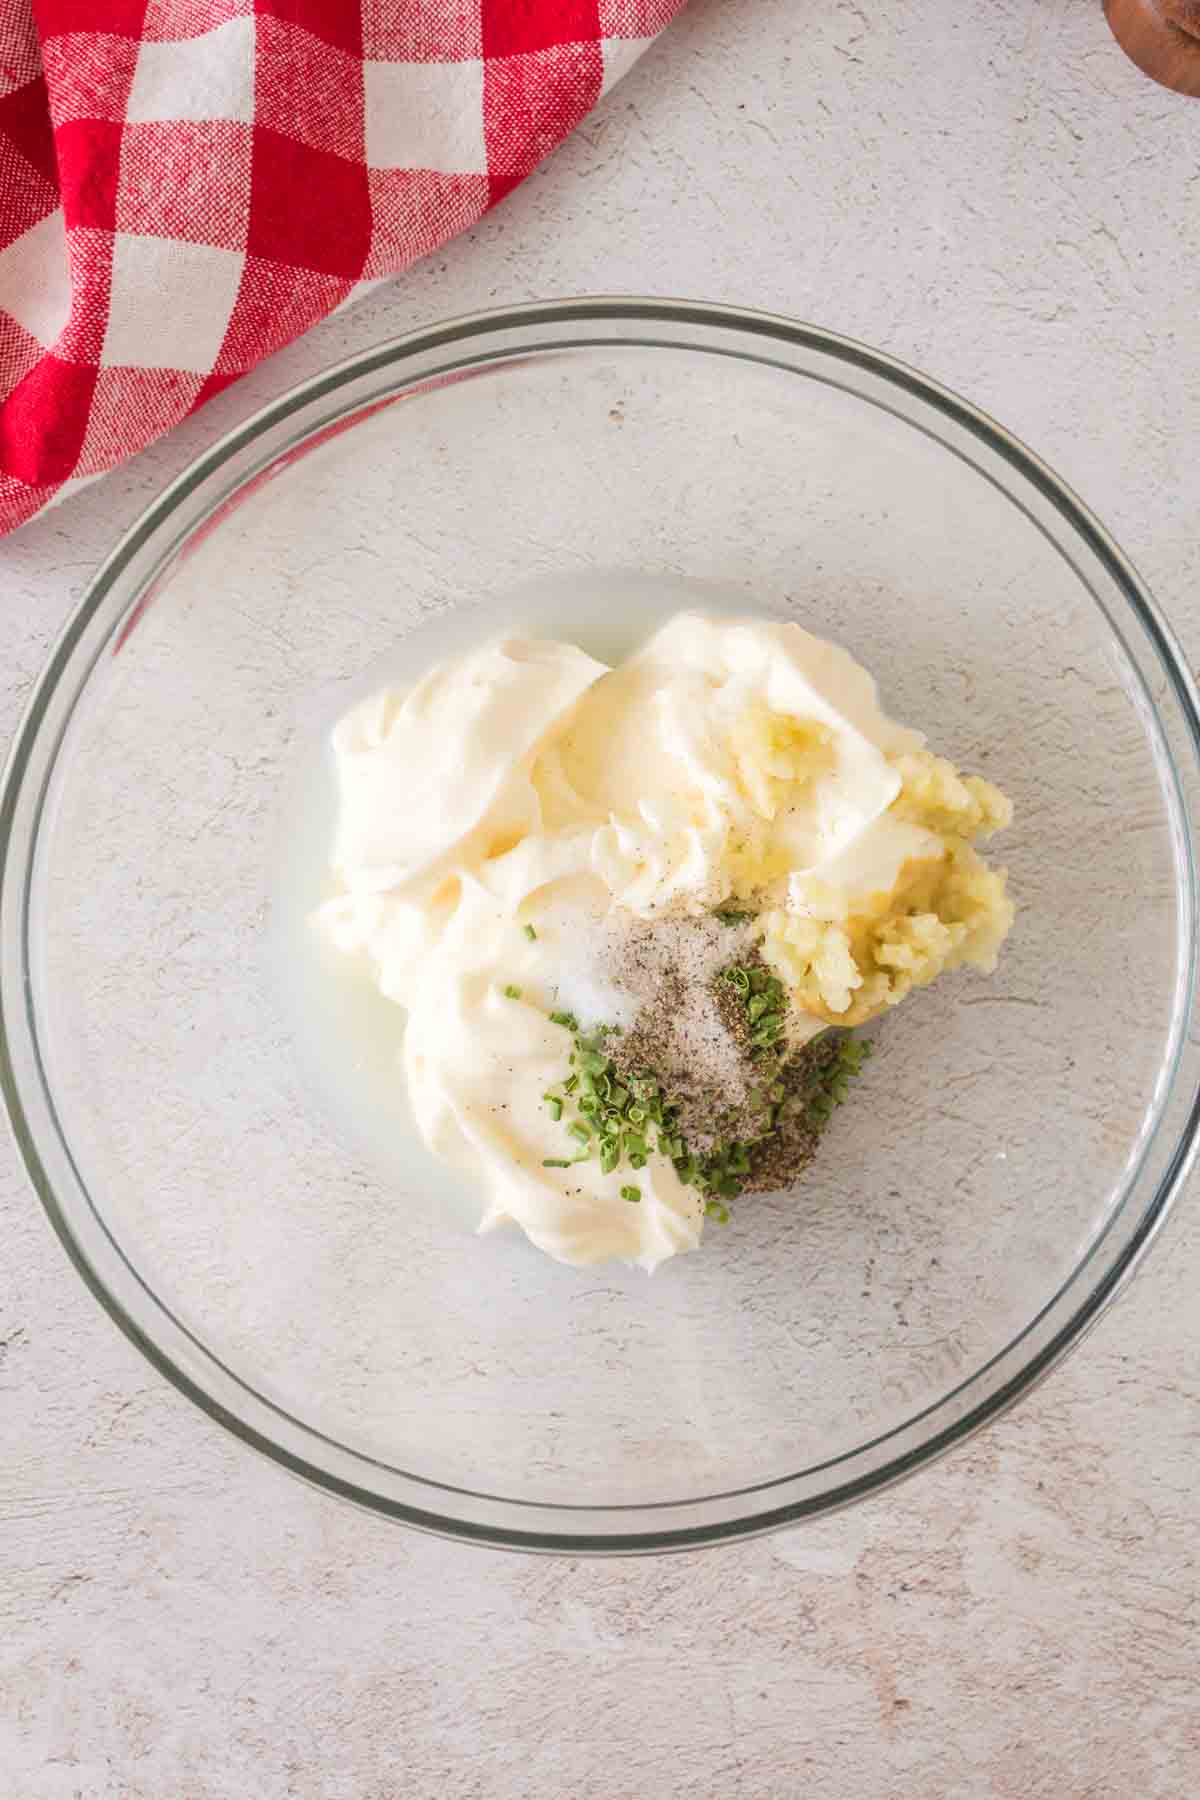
x=737, y=1108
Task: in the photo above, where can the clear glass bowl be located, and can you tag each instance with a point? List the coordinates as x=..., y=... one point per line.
x=1017, y=1141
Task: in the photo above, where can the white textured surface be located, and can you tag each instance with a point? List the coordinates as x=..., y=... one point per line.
x=988, y=189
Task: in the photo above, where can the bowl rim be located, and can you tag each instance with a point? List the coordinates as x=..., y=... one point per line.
x=29, y=746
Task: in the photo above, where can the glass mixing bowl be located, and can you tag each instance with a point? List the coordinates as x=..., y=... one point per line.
x=586, y=468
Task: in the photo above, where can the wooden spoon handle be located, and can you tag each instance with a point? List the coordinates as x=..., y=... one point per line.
x=1162, y=37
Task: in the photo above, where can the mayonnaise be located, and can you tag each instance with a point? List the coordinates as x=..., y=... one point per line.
x=494, y=822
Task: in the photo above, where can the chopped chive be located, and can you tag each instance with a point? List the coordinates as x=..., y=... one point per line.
x=530, y=933
x=555, y=1162
x=612, y=1111
x=631, y=1193
x=511, y=992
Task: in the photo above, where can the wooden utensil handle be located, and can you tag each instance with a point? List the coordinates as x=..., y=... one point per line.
x=1162, y=37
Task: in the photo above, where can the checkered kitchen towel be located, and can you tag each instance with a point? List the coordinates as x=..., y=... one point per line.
x=185, y=185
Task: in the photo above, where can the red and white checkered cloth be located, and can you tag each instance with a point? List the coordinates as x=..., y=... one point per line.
x=186, y=185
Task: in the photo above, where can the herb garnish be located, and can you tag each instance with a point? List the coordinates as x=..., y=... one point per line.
x=835, y=1081
x=765, y=1001
x=624, y=1118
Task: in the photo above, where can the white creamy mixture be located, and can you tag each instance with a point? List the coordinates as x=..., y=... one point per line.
x=500, y=820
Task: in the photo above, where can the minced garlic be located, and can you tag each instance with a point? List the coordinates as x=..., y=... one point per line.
x=846, y=954
x=942, y=912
